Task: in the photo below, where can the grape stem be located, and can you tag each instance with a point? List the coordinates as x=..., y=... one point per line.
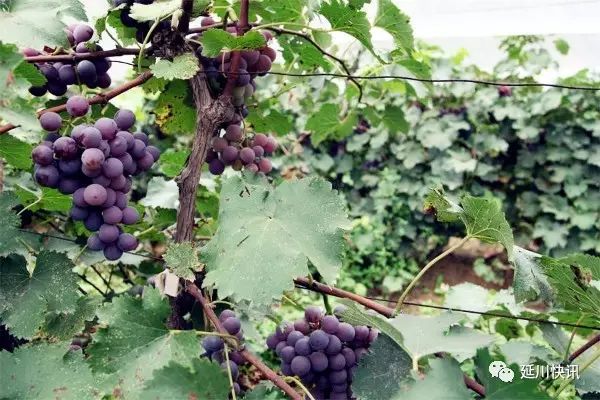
x=226, y=348
x=192, y=289
x=299, y=383
x=101, y=98
x=582, y=367
x=426, y=268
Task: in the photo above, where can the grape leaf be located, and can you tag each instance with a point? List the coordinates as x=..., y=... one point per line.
x=182, y=260
x=304, y=53
x=443, y=381
x=355, y=316
x=135, y=341
x=571, y=285
x=45, y=372
x=382, y=371
x=323, y=122
x=9, y=223
x=172, y=162
x=47, y=199
x=65, y=325
x=530, y=282
x=496, y=389
x=27, y=23
x=26, y=298
x=584, y=260
x=15, y=152
x=265, y=391
x=20, y=113
x=266, y=236
x=485, y=220
x=277, y=11
x=205, y=380
x=444, y=209
x=216, y=40
x=562, y=46
x=150, y=12
x=349, y=20
x=429, y=335
x=394, y=21
x=124, y=33
x=161, y=193
x=267, y=119
x=9, y=59
x=30, y=73
x=174, y=109
x=184, y=66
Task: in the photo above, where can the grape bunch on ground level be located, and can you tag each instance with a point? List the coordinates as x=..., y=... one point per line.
x=238, y=151
x=322, y=351
x=95, y=164
x=59, y=75
x=142, y=28
x=215, y=347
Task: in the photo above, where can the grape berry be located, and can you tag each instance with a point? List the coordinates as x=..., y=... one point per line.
x=215, y=347
x=59, y=75
x=95, y=165
x=322, y=351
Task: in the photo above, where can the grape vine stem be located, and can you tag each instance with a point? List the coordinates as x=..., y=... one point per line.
x=101, y=98
x=426, y=268
x=192, y=289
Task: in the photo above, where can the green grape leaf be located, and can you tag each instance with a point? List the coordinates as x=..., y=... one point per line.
x=394, y=21
x=182, y=260
x=27, y=297
x=323, y=123
x=184, y=66
x=266, y=236
x=277, y=11
x=428, y=335
x=349, y=20
x=444, y=209
x=64, y=325
x=156, y=10
x=382, y=371
x=443, y=381
x=30, y=73
x=485, y=220
x=26, y=22
x=135, y=342
x=271, y=121
x=204, y=380
x=20, y=113
x=46, y=199
x=265, y=391
x=496, y=389
x=15, y=152
x=572, y=286
x=45, y=372
x=175, y=113
x=355, y=316
x=303, y=52
x=172, y=162
x=216, y=40
x=584, y=260
x=9, y=223
x=161, y=193
x=530, y=283
x=126, y=34
x=394, y=119
x=562, y=46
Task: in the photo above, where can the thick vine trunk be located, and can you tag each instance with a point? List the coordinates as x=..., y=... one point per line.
x=210, y=115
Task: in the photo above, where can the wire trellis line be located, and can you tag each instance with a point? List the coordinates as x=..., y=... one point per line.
x=414, y=79
x=409, y=303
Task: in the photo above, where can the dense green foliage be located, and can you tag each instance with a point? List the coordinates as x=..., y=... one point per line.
x=535, y=149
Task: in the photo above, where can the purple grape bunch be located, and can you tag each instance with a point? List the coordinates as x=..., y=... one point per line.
x=215, y=347
x=322, y=351
x=237, y=151
x=95, y=164
x=253, y=63
x=59, y=75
